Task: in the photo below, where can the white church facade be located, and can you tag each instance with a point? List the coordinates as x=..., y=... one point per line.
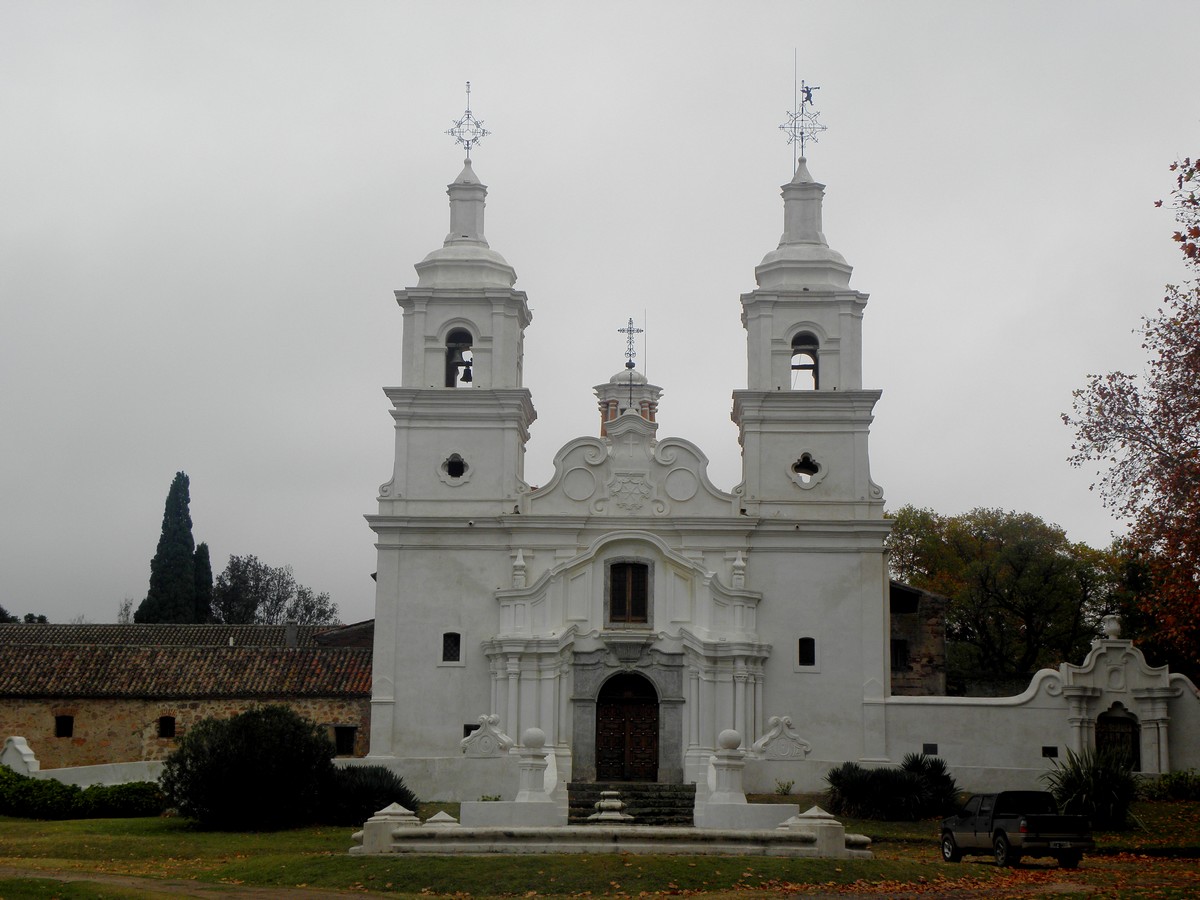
x=632, y=610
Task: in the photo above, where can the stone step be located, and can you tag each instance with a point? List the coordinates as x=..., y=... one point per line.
x=649, y=803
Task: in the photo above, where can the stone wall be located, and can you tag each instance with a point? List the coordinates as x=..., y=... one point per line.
x=918, y=621
x=119, y=730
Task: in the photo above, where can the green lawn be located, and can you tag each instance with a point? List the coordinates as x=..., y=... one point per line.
x=1158, y=862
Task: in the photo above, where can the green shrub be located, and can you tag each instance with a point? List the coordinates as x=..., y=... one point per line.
x=355, y=793
x=38, y=798
x=1100, y=786
x=123, y=801
x=1183, y=785
x=920, y=788
x=262, y=769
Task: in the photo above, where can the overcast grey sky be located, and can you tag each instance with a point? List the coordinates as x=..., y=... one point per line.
x=205, y=208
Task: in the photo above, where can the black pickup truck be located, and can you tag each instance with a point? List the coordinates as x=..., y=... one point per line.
x=1012, y=824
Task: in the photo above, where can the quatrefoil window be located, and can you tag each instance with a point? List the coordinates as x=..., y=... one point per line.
x=454, y=470
x=806, y=472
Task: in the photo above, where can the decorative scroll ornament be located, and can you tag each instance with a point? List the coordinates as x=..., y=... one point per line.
x=781, y=741
x=487, y=739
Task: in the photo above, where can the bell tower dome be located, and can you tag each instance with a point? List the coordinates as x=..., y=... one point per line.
x=804, y=419
x=462, y=415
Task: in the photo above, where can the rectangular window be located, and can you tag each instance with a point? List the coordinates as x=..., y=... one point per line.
x=929, y=749
x=629, y=598
x=806, y=652
x=64, y=726
x=451, y=647
x=899, y=655
x=1050, y=752
x=166, y=726
x=343, y=739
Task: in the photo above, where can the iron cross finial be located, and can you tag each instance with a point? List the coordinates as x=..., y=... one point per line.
x=629, y=331
x=468, y=130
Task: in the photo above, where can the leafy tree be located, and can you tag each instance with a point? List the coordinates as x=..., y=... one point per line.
x=249, y=592
x=29, y=618
x=1021, y=595
x=1145, y=433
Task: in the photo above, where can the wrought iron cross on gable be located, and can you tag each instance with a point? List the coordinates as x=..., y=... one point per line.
x=629, y=331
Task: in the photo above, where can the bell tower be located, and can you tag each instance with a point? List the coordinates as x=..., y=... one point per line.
x=462, y=416
x=804, y=418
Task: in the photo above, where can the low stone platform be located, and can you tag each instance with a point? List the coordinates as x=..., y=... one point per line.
x=670, y=805
x=606, y=839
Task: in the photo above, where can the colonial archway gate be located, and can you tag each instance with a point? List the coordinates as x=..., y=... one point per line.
x=627, y=729
x=627, y=713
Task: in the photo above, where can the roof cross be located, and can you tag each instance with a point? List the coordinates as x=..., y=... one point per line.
x=468, y=130
x=803, y=122
x=629, y=331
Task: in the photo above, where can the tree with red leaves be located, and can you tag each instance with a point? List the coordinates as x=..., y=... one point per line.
x=1146, y=430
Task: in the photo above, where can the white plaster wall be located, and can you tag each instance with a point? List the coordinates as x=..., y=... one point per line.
x=110, y=773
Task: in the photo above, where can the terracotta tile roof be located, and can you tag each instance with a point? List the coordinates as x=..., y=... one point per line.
x=163, y=635
x=131, y=665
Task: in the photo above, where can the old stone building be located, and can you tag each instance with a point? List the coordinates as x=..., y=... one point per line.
x=86, y=695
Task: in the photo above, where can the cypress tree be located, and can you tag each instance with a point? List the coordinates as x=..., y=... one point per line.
x=204, y=585
x=172, y=594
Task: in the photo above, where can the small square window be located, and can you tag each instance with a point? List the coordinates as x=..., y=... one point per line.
x=166, y=726
x=1050, y=752
x=344, y=737
x=64, y=726
x=929, y=749
x=451, y=647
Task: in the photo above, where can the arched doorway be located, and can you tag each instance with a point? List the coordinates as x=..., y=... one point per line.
x=627, y=729
x=1117, y=732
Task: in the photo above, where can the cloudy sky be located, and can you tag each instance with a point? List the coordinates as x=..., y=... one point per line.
x=205, y=208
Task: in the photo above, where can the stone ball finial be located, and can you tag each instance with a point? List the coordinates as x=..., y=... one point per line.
x=729, y=739
x=1111, y=626
x=533, y=739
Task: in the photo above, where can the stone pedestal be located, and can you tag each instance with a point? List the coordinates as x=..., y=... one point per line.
x=533, y=806
x=376, y=834
x=726, y=806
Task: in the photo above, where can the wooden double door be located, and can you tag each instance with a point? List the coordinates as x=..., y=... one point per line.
x=627, y=729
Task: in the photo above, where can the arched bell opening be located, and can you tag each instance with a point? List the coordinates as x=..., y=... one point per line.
x=459, y=358
x=806, y=375
x=627, y=729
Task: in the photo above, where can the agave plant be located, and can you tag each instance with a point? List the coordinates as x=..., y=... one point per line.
x=1099, y=785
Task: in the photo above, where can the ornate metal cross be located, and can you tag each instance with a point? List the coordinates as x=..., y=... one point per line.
x=803, y=122
x=629, y=331
x=468, y=130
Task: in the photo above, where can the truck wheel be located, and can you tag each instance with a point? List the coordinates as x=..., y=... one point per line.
x=950, y=851
x=1005, y=856
x=1069, y=860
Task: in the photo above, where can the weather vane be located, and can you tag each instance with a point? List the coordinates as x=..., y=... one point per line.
x=803, y=122
x=629, y=331
x=468, y=130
